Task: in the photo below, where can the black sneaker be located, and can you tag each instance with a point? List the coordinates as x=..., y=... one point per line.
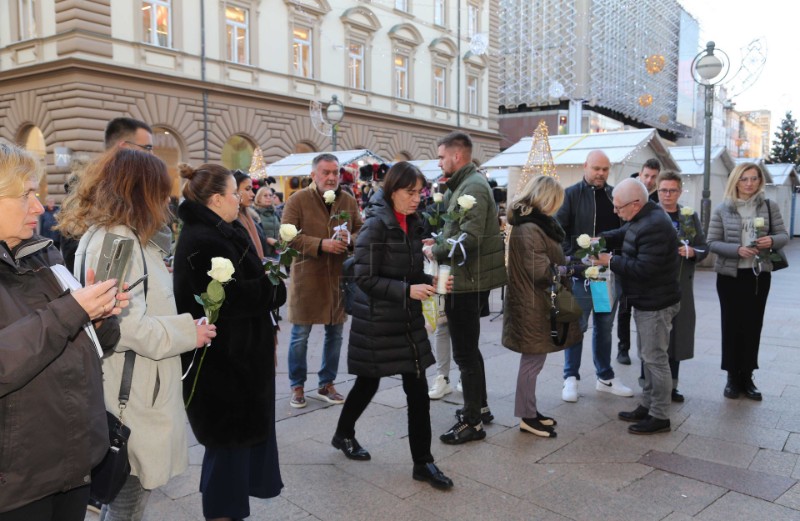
x=486, y=415
x=463, y=432
x=623, y=357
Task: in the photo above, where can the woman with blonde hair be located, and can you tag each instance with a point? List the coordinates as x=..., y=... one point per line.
x=534, y=252
x=126, y=192
x=270, y=220
x=52, y=418
x=744, y=229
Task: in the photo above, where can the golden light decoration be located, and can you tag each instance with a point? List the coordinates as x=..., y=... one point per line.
x=540, y=158
x=654, y=63
x=663, y=118
x=645, y=100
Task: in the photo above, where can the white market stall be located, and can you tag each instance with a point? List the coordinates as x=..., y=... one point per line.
x=627, y=150
x=690, y=161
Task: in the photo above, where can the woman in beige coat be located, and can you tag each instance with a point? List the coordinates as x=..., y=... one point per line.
x=534, y=247
x=125, y=192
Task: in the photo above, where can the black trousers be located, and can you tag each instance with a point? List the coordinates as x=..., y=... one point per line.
x=419, y=418
x=742, y=300
x=463, y=312
x=64, y=506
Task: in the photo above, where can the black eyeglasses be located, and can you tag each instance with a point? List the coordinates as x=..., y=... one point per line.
x=148, y=148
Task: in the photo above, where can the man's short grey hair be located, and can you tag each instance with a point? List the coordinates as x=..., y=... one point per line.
x=631, y=189
x=324, y=157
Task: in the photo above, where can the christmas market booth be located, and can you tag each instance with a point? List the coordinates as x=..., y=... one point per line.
x=293, y=172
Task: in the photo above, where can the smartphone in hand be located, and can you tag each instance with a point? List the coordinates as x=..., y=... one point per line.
x=115, y=257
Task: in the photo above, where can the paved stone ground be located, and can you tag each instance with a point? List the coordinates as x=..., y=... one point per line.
x=724, y=459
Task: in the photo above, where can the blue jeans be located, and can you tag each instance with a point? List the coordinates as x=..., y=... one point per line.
x=601, y=337
x=298, y=346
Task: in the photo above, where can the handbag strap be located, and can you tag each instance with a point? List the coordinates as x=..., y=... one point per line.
x=769, y=212
x=559, y=341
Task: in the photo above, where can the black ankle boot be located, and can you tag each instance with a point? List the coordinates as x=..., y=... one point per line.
x=749, y=388
x=733, y=387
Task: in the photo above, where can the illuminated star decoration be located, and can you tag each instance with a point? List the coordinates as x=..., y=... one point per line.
x=654, y=63
x=257, y=167
x=540, y=158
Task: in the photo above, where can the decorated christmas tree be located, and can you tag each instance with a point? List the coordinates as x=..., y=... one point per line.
x=786, y=148
x=257, y=167
x=540, y=158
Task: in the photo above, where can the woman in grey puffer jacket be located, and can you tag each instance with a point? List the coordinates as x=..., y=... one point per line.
x=743, y=231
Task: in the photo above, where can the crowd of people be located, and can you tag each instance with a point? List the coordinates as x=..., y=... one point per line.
x=203, y=325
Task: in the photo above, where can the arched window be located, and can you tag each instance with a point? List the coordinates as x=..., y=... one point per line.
x=167, y=147
x=237, y=153
x=32, y=140
x=304, y=147
x=402, y=156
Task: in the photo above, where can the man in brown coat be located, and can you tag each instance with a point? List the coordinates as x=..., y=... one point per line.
x=328, y=220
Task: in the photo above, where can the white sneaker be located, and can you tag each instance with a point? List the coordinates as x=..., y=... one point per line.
x=439, y=389
x=613, y=386
x=458, y=386
x=570, y=391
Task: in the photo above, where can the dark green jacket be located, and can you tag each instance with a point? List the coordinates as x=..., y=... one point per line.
x=485, y=267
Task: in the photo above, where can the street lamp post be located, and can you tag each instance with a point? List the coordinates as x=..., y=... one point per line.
x=708, y=71
x=334, y=113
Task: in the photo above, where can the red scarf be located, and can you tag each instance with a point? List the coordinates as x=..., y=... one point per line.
x=402, y=220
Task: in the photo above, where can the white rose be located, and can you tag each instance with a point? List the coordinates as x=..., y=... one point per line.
x=329, y=196
x=288, y=232
x=438, y=198
x=687, y=211
x=221, y=269
x=584, y=241
x=592, y=272
x=466, y=202
x=758, y=222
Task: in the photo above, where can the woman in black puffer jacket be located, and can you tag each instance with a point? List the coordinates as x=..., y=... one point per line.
x=387, y=335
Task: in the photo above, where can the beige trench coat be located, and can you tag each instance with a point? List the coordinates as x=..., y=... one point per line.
x=158, y=447
x=315, y=295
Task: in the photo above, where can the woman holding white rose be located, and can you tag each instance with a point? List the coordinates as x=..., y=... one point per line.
x=125, y=192
x=232, y=411
x=693, y=249
x=743, y=231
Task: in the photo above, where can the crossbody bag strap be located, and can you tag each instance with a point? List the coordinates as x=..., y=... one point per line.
x=559, y=341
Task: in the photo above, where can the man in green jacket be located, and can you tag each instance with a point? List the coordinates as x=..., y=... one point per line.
x=473, y=247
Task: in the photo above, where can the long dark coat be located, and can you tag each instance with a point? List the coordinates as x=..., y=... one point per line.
x=388, y=333
x=681, y=339
x=526, y=313
x=234, y=401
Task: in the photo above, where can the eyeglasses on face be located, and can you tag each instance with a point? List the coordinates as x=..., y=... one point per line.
x=148, y=148
x=668, y=191
x=618, y=208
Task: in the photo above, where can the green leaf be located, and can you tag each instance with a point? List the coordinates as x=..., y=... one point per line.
x=199, y=300
x=274, y=279
x=216, y=293
x=213, y=315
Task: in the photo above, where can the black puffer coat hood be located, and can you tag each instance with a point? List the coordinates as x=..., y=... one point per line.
x=388, y=333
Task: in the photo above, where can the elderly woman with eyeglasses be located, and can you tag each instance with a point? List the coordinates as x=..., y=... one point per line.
x=743, y=232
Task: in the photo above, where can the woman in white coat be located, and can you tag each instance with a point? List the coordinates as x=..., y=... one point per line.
x=125, y=192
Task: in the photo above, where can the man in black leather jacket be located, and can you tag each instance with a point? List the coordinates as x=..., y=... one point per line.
x=588, y=209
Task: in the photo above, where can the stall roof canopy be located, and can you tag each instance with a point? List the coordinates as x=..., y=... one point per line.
x=690, y=159
x=572, y=149
x=300, y=164
x=780, y=172
x=429, y=168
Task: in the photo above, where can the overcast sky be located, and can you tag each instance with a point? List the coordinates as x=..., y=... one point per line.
x=733, y=24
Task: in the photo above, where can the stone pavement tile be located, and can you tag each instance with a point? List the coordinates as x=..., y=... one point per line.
x=735, y=431
x=742, y=411
x=791, y=498
x=790, y=421
x=184, y=484
x=677, y=516
x=161, y=507
x=611, y=443
x=791, y=391
x=676, y=492
x=793, y=443
x=533, y=448
x=196, y=453
x=500, y=468
x=328, y=492
x=734, y=506
x=750, y=482
x=394, y=478
x=614, y=476
x=579, y=499
x=774, y=462
x=472, y=501
x=711, y=449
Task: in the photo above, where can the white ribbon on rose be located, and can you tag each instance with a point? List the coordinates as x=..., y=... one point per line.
x=201, y=321
x=341, y=231
x=685, y=243
x=458, y=242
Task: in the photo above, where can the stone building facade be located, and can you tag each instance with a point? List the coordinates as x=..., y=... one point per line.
x=69, y=67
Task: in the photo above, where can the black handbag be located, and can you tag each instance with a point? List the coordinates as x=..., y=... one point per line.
x=110, y=475
x=781, y=262
x=564, y=309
